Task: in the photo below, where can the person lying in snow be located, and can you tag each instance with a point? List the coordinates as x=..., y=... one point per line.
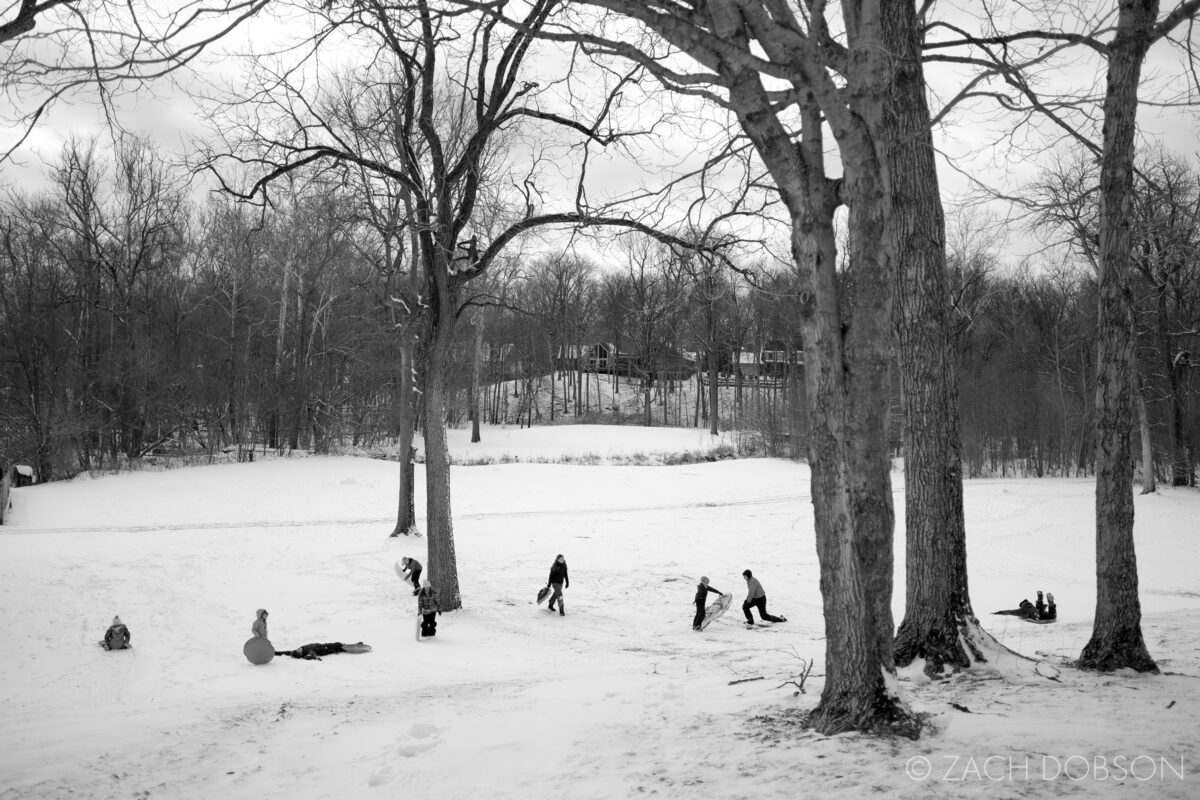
x=117, y=636
x=1043, y=609
x=314, y=651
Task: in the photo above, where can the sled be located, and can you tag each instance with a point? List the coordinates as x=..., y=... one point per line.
x=715, y=609
x=543, y=593
x=258, y=650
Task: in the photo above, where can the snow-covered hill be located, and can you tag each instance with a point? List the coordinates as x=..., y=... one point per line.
x=617, y=699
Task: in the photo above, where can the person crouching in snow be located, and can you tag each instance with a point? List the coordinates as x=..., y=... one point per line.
x=756, y=598
x=259, y=626
x=428, y=607
x=558, y=581
x=412, y=568
x=702, y=590
x=117, y=636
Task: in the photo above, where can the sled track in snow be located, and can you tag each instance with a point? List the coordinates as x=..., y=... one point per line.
x=548, y=512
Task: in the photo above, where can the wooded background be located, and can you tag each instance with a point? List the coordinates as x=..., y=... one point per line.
x=137, y=322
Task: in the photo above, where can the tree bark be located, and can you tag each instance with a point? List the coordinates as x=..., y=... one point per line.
x=1117, y=640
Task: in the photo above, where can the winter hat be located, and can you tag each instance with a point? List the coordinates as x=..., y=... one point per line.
x=704, y=579
x=117, y=621
x=559, y=557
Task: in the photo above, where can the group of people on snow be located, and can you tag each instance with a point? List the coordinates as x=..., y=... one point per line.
x=756, y=597
x=117, y=636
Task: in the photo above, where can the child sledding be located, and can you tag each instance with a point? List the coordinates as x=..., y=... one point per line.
x=1043, y=611
x=116, y=637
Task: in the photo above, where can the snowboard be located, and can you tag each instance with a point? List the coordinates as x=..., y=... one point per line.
x=418, y=626
x=1039, y=621
x=543, y=593
x=715, y=609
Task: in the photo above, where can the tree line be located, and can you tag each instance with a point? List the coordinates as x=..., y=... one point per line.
x=136, y=321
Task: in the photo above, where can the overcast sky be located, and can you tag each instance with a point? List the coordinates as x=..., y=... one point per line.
x=973, y=136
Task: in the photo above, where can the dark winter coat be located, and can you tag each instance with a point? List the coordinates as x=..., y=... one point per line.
x=558, y=574
x=116, y=637
x=427, y=600
x=702, y=590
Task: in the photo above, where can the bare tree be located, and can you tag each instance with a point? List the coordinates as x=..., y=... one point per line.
x=457, y=85
x=1012, y=59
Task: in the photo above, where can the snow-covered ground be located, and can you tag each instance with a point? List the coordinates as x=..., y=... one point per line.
x=617, y=699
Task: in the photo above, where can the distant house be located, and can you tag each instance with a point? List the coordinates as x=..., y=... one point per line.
x=778, y=358
x=605, y=358
x=23, y=475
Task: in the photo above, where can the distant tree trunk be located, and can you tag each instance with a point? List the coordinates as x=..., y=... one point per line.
x=406, y=514
x=939, y=625
x=1149, y=481
x=277, y=422
x=1117, y=630
x=476, y=365
x=714, y=389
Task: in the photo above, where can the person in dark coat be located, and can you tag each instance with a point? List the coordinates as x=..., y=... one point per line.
x=314, y=651
x=428, y=606
x=117, y=636
x=1051, y=610
x=702, y=590
x=558, y=581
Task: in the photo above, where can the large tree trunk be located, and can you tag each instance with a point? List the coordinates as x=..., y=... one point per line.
x=846, y=369
x=443, y=564
x=939, y=625
x=1117, y=630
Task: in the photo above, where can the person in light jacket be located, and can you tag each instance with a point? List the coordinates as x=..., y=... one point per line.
x=756, y=598
x=259, y=626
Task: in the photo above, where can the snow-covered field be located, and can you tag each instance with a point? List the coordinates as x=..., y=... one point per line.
x=617, y=699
